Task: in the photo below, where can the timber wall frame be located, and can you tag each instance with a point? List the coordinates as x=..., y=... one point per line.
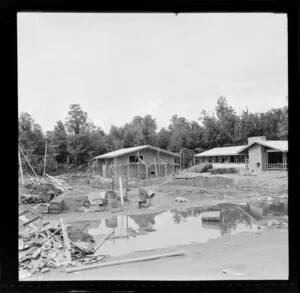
x=157, y=163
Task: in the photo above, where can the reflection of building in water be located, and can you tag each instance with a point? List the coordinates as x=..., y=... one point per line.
x=145, y=222
x=122, y=225
x=231, y=217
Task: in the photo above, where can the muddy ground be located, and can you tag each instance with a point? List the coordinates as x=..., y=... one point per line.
x=259, y=255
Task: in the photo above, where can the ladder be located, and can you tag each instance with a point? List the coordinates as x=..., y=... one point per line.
x=37, y=217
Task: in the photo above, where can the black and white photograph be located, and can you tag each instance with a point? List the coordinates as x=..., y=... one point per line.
x=152, y=146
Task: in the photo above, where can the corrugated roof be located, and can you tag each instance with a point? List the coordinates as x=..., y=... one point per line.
x=280, y=145
x=125, y=151
x=223, y=151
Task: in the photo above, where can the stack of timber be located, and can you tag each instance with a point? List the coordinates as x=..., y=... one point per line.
x=52, y=249
x=55, y=183
x=200, y=168
x=31, y=198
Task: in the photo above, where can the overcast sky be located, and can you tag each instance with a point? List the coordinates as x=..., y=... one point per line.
x=117, y=66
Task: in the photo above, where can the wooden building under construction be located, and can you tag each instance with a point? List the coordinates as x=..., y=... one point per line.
x=137, y=162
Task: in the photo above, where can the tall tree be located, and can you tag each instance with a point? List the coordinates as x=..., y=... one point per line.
x=227, y=121
x=76, y=120
x=164, y=137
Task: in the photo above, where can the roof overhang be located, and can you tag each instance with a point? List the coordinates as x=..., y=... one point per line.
x=111, y=156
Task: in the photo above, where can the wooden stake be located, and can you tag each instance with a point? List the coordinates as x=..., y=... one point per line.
x=66, y=240
x=45, y=158
x=128, y=171
x=28, y=162
x=119, y=262
x=166, y=170
x=121, y=191
x=138, y=172
x=21, y=168
x=126, y=186
x=155, y=167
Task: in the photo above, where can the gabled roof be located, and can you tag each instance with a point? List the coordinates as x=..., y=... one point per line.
x=223, y=151
x=126, y=151
x=279, y=145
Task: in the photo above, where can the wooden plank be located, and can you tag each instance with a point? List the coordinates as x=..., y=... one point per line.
x=31, y=221
x=66, y=240
x=119, y=262
x=38, y=230
x=21, y=168
x=99, y=244
x=156, y=172
x=45, y=160
x=128, y=171
x=28, y=162
x=138, y=171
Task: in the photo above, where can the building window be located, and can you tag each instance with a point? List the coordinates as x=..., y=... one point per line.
x=257, y=165
x=134, y=159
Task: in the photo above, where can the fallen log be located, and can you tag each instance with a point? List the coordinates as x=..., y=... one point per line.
x=119, y=262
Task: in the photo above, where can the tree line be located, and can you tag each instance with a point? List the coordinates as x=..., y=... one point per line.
x=74, y=142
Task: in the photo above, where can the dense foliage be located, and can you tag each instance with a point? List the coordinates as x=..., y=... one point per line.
x=74, y=143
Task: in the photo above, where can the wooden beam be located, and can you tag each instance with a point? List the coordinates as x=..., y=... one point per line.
x=128, y=170
x=66, y=240
x=99, y=244
x=21, y=168
x=45, y=160
x=28, y=162
x=138, y=161
x=155, y=168
x=124, y=261
x=142, y=161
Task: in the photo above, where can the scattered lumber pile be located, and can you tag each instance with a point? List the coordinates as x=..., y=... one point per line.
x=31, y=198
x=54, y=183
x=52, y=249
x=200, y=168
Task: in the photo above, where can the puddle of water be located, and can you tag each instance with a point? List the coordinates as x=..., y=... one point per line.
x=159, y=230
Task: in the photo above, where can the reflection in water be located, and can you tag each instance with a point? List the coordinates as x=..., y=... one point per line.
x=233, y=220
x=163, y=229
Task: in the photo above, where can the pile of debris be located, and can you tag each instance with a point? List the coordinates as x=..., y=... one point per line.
x=31, y=199
x=49, y=181
x=50, y=247
x=200, y=168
